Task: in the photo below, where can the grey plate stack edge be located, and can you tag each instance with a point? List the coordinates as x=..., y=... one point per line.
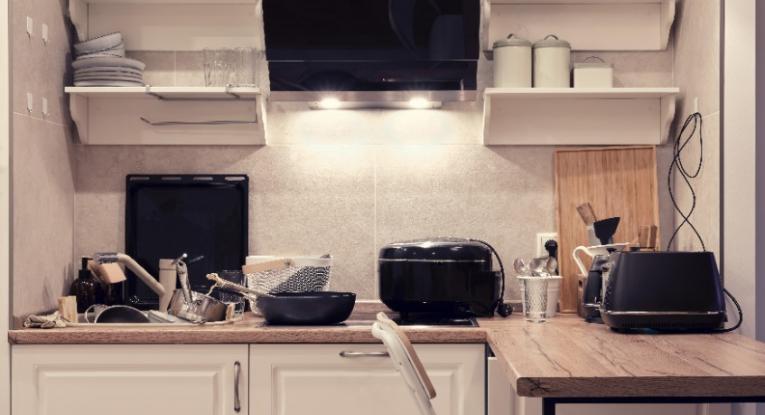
x=102, y=62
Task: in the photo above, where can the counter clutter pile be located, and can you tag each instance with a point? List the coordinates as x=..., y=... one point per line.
x=102, y=62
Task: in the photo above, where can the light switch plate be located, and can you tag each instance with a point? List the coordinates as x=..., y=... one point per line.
x=30, y=102
x=30, y=26
x=45, y=112
x=542, y=238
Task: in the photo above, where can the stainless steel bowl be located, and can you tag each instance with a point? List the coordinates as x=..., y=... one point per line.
x=202, y=308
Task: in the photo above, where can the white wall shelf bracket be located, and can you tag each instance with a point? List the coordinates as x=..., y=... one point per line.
x=168, y=115
x=610, y=116
x=589, y=25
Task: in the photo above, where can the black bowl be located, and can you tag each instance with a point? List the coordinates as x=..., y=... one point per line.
x=307, y=309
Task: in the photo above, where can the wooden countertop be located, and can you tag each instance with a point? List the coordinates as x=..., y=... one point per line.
x=566, y=357
x=250, y=330
x=563, y=357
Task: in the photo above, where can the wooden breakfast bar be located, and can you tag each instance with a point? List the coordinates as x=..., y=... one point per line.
x=566, y=360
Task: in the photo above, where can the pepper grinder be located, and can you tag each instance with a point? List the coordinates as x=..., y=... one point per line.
x=551, y=247
x=87, y=288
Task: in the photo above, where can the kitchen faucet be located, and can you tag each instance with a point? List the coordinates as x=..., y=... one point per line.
x=131, y=264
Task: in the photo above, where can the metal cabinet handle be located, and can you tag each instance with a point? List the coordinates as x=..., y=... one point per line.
x=350, y=354
x=237, y=375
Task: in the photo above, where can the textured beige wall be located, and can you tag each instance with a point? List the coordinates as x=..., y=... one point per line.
x=42, y=160
x=697, y=73
x=347, y=182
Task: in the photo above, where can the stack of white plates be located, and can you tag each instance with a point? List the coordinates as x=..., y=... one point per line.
x=106, y=45
x=102, y=62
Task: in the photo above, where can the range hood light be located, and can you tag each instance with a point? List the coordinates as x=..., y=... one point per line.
x=420, y=103
x=330, y=103
x=349, y=102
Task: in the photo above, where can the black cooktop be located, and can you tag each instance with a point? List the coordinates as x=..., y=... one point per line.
x=428, y=319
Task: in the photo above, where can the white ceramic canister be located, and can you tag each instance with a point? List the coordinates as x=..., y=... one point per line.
x=593, y=73
x=512, y=62
x=552, y=63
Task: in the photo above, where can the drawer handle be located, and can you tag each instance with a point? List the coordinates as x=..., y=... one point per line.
x=349, y=354
x=237, y=375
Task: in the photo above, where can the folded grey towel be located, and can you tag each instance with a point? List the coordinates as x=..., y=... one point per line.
x=49, y=321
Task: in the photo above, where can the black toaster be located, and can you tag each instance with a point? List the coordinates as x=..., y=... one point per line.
x=451, y=277
x=663, y=291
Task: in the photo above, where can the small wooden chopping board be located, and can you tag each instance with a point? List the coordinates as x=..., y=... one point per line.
x=616, y=181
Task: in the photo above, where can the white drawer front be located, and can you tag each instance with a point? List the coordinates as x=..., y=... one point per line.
x=315, y=379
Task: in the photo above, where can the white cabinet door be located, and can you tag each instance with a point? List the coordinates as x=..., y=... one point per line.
x=499, y=399
x=315, y=379
x=128, y=379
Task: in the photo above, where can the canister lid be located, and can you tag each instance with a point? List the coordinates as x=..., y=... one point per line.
x=551, y=41
x=436, y=250
x=592, y=65
x=512, y=40
x=593, y=62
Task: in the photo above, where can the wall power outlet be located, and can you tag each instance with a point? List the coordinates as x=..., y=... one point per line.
x=543, y=237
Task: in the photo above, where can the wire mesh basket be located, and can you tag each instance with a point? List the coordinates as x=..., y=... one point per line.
x=304, y=274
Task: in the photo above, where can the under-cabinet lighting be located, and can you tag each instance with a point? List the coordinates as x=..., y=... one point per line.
x=420, y=103
x=334, y=103
x=330, y=103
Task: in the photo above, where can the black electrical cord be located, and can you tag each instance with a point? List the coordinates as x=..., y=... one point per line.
x=695, y=122
x=503, y=309
x=740, y=314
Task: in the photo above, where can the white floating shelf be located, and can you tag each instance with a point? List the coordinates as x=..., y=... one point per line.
x=577, y=116
x=591, y=25
x=168, y=92
x=171, y=25
x=168, y=115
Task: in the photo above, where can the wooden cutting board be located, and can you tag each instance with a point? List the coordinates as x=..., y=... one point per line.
x=617, y=181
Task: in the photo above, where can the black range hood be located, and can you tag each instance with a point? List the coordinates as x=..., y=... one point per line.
x=369, y=50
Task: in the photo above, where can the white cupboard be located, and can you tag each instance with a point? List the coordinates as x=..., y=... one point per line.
x=317, y=379
x=129, y=379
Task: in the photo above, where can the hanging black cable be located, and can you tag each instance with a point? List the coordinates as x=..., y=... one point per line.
x=696, y=123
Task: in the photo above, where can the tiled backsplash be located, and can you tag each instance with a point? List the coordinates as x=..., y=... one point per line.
x=348, y=182
x=347, y=200
x=340, y=182
x=43, y=160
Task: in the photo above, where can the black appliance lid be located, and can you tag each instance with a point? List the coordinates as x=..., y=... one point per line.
x=436, y=250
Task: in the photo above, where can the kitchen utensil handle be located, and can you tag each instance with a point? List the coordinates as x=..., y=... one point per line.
x=351, y=354
x=237, y=288
x=578, y=260
x=237, y=376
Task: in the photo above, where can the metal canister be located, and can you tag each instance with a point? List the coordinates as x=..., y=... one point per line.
x=512, y=62
x=552, y=63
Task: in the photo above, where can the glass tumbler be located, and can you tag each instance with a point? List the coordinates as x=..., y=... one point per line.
x=534, y=296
